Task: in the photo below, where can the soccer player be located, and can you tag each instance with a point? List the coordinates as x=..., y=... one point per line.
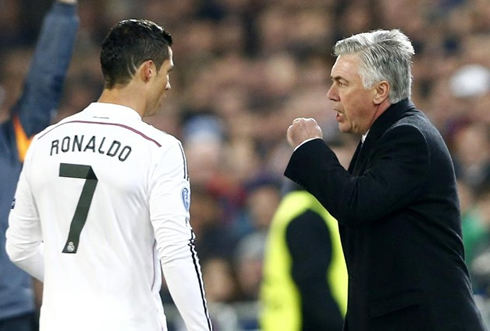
x=102, y=204
x=32, y=113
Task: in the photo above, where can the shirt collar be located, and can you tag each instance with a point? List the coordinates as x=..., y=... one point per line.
x=363, y=138
x=110, y=110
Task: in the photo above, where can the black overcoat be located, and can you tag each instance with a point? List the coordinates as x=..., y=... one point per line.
x=399, y=221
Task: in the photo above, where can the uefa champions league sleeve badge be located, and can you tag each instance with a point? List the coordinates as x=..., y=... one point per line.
x=186, y=199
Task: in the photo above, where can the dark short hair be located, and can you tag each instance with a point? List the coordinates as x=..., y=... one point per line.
x=130, y=43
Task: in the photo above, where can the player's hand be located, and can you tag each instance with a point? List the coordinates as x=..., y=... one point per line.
x=303, y=129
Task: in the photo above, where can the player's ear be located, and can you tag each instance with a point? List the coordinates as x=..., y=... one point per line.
x=381, y=92
x=147, y=70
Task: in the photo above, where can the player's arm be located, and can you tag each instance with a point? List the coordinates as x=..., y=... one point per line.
x=24, y=236
x=43, y=85
x=169, y=212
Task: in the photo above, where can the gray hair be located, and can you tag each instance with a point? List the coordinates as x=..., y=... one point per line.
x=385, y=55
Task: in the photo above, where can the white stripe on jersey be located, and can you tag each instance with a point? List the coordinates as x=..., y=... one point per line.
x=186, y=170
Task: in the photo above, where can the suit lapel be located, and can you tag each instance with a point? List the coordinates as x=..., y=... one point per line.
x=353, y=163
x=361, y=156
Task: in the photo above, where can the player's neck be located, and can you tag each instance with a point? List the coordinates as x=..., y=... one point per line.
x=123, y=97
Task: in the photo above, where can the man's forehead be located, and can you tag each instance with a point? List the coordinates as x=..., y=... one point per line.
x=345, y=65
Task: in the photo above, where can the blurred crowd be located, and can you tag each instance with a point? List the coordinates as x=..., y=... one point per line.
x=244, y=69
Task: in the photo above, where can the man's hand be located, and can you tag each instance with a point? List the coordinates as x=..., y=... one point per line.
x=303, y=129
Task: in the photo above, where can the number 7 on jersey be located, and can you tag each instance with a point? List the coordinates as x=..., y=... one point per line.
x=80, y=217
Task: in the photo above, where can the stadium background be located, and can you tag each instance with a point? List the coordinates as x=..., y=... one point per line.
x=243, y=70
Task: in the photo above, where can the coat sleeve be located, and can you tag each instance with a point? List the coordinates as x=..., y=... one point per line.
x=43, y=85
x=395, y=173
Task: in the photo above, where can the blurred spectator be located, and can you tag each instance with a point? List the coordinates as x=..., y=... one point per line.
x=469, y=81
x=220, y=291
x=263, y=195
x=480, y=266
x=262, y=199
x=213, y=236
x=471, y=146
x=475, y=232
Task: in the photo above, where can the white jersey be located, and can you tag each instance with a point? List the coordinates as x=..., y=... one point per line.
x=102, y=198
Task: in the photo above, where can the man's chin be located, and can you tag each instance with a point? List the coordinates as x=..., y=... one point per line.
x=344, y=129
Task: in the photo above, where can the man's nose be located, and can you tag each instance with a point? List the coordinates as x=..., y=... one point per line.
x=332, y=94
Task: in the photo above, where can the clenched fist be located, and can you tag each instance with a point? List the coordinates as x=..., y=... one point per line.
x=303, y=129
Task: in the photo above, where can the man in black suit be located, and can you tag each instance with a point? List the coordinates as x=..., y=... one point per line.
x=397, y=204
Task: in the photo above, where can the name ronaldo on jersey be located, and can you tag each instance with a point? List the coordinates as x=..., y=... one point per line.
x=80, y=143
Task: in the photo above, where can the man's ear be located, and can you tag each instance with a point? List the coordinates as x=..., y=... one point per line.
x=382, y=92
x=147, y=70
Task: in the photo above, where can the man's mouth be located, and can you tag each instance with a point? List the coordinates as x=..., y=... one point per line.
x=339, y=116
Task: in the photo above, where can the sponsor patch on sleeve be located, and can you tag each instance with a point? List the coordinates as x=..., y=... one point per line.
x=186, y=198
